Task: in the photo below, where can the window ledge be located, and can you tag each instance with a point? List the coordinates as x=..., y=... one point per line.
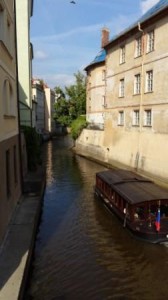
x=137, y=56
x=137, y=94
x=9, y=117
x=150, y=92
x=150, y=51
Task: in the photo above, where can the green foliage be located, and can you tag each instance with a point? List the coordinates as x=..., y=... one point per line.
x=59, y=93
x=72, y=103
x=61, y=109
x=33, y=142
x=77, y=126
x=76, y=94
x=64, y=120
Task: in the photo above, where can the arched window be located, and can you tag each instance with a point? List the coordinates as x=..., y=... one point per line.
x=8, y=99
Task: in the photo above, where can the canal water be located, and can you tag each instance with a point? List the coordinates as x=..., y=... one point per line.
x=82, y=251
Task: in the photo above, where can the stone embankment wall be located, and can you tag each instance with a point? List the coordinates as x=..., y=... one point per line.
x=147, y=156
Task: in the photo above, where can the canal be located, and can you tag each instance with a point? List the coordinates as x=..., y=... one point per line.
x=82, y=251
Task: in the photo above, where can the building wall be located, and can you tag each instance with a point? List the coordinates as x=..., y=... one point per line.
x=142, y=147
x=39, y=97
x=10, y=180
x=96, y=94
x=49, y=110
x=138, y=146
x=23, y=14
x=10, y=188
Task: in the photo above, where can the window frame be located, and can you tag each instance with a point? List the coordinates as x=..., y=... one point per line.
x=137, y=84
x=103, y=75
x=15, y=169
x=150, y=41
x=122, y=54
x=136, y=117
x=147, y=118
x=122, y=88
x=8, y=175
x=138, y=46
x=9, y=109
x=149, y=81
x=121, y=118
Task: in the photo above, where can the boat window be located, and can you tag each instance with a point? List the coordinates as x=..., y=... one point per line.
x=164, y=211
x=139, y=213
x=117, y=200
x=99, y=182
x=107, y=189
x=153, y=210
x=113, y=196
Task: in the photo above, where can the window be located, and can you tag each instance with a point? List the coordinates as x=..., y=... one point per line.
x=135, y=118
x=148, y=117
x=9, y=109
x=15, y=164
x=137, y=84
x=103, y=101
x=103, y=75
x=121, y=118
x=6, y=28
x=150, y=41
x=2, y=17
x=122, y=55
x=138, y=47
x=9, y=35
x=8, y=190
x=149, y=81
x=121, y=88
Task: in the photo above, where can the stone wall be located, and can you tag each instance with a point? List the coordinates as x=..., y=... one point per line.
x=130, y=150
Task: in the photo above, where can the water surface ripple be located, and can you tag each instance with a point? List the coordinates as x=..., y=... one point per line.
x=83, y=252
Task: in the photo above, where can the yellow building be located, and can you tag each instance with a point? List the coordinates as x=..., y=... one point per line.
x=136, y=98
x=10, y=189
x=96, y=81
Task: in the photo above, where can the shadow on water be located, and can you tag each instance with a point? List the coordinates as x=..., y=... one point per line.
x=82, y=251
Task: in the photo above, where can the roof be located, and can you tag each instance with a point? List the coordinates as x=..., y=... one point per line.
x=157, y=8
x=162, y=4
x=133, y=187
x=100, y=57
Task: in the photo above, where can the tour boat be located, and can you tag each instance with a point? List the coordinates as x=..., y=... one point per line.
x=138, y=202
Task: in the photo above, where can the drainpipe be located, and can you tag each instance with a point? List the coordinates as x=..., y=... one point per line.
x=141, y=97
x=142, y=77
x=17, y=95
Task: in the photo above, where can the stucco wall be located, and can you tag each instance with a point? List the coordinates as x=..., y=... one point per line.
x=8, y=202
x=127, y=149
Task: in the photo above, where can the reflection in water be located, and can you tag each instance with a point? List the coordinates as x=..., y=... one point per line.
x=82, y=251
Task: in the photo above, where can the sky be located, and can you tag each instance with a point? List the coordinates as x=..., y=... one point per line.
x=66, y=37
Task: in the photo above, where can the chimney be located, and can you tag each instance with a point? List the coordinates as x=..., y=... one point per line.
x=105, y=36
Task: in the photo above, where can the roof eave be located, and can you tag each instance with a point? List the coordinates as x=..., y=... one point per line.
x=135, y=26
x=94, y=65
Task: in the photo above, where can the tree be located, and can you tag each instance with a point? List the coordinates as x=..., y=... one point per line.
x=59, y=94
x=72, y=103
x=76, y=95
x=61, y=107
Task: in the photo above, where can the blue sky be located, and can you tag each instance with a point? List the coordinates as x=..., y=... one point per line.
x=66, y=37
